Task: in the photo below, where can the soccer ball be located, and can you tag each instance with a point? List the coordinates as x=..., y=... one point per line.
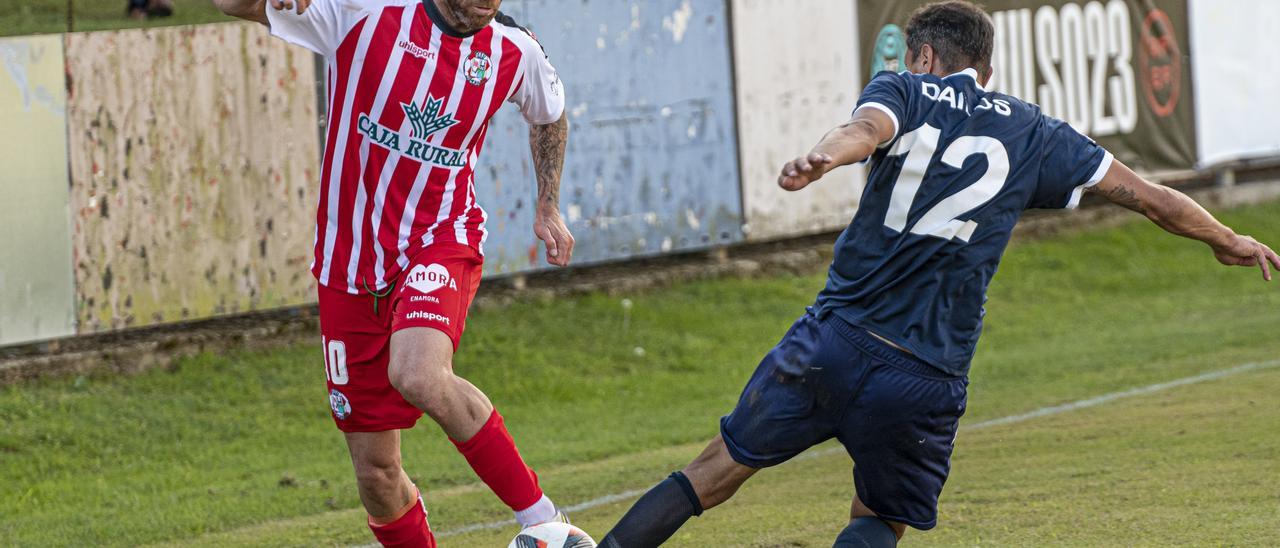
x=552, y=535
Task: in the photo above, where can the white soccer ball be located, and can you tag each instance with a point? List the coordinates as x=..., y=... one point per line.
x=552, y=535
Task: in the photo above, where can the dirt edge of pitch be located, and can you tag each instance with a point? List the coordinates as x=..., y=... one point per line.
x=136, y=350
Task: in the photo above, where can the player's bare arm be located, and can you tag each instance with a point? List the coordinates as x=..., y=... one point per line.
x=848, y=143
x=547, y=142
x=256, y=10
x=1179, y=214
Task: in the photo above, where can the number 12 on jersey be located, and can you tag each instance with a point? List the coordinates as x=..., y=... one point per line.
x=940, y=221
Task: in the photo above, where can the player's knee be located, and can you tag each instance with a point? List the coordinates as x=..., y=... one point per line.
x=432, y=389
x=379, y=477
x=420, y=380
x=715, y=476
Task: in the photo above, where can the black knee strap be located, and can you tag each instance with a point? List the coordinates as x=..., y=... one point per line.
x=687, y=487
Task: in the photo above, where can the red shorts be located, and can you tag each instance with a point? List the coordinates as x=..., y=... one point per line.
x=434, y=291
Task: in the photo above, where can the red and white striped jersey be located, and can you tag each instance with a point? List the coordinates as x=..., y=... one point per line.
x=410, y=101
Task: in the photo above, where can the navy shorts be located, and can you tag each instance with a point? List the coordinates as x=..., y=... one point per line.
x=896, y=415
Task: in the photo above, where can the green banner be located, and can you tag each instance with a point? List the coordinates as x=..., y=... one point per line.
x=1117, y=70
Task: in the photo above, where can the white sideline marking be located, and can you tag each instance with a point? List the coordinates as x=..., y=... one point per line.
x=1140, y=391
x=1011, y=419
x=601, y=501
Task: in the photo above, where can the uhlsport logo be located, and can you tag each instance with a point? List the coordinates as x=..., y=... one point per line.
x=416, y=50
x=427, y=316
x=427, y=279
x=423, y=121
x=340, y=404
x=477, y=68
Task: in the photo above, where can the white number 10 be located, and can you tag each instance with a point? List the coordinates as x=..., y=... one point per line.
x=335, y=361
x=940, y=221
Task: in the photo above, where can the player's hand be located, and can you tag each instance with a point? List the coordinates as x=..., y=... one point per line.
x=1246, y=251
x=801, y=171
x=550, y=228
x=299, y=6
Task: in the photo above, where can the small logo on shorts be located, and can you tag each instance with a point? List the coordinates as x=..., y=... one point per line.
x=340, y=404
x=428, y=316
x=427, y=279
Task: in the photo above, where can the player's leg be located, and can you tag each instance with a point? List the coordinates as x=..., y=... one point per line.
x=396, y=514
x=422, y=370
x=900, y=430
x=370, y=412
x=430, y=310
x=780, y=414
x=867, y=530
x=715, y=476
x=709, y=480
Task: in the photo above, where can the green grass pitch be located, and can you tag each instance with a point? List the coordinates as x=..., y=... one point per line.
x=20, y=17
x=239, y=449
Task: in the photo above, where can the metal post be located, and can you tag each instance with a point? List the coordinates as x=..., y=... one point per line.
x=1227, y=177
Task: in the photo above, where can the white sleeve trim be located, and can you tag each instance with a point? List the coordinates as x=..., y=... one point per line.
x=539, y=93
x=897, y=126
x=1103, y=167
x=321, y=28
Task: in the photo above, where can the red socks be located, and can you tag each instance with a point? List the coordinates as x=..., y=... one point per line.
x=493, y=455
x=407, y=531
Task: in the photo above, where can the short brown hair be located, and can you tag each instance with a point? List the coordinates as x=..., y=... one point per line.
x=960, y=33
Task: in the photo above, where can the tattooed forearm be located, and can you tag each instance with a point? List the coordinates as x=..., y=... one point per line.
x=548, y=143
x=1164, y=206
x=1123, y=196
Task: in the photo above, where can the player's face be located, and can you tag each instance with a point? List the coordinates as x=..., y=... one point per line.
x=473, y=14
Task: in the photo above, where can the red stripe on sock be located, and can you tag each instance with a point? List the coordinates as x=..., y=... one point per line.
x=494, y=457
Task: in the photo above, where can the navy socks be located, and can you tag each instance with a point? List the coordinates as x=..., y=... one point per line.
x=866, y=532
x=656, y=516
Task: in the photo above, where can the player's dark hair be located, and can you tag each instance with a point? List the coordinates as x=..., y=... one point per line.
x=960, y=33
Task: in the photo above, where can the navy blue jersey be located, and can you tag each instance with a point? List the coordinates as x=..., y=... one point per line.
x=939, y=207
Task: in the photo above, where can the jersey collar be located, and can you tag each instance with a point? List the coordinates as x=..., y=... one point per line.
x=970, y=72
x=438, y=20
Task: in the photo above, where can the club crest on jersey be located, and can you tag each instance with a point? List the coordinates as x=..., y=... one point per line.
x=423, y=121
x=478, y=68
x=427, y=279
x=340, y=404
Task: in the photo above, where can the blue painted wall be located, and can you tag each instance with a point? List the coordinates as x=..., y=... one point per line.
x=652, y=161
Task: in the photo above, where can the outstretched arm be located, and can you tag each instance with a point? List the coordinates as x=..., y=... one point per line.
x=547, y=141
x=848, y=143
x=1179, y=214
x=256, y=10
